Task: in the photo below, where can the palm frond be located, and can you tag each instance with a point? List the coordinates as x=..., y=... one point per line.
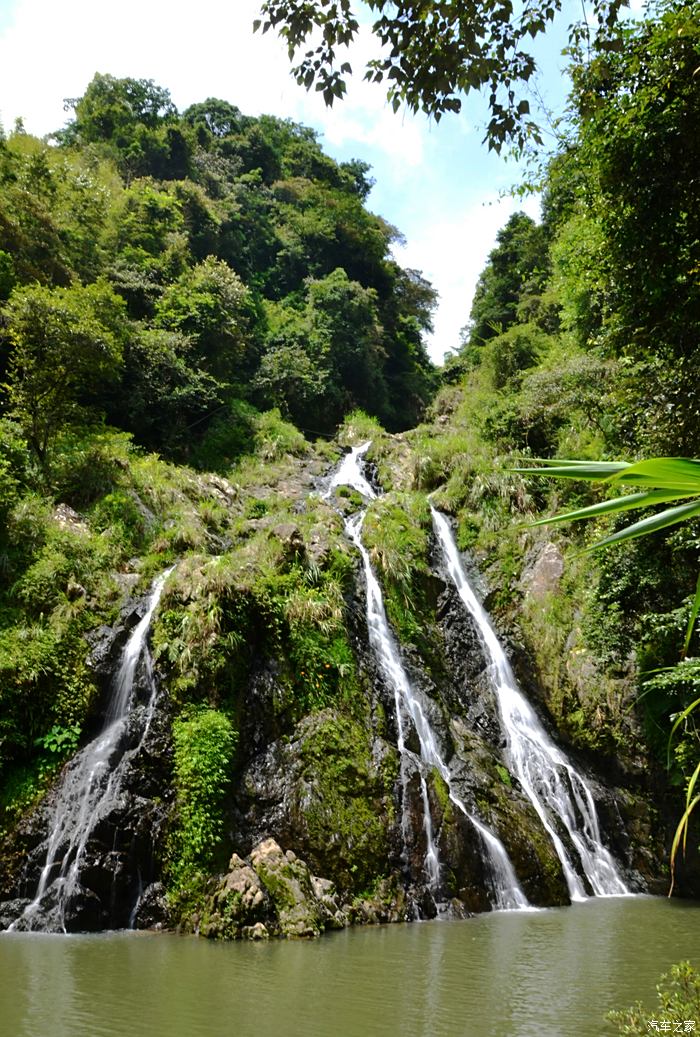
x=616, y=504
x=695, y=609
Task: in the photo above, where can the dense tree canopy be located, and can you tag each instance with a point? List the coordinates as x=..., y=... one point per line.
x=614, y=264
x=65, y=344
x=516, y=268
x=241, y=262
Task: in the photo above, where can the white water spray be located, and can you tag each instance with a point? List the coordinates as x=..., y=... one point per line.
x=559, y=794
x=91, y=783
x=507, y=892
x=350, y=473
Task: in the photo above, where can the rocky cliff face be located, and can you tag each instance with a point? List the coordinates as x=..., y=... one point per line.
x=123, y=849
x=309, y=827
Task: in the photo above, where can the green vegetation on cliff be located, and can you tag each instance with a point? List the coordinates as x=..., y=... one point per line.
x=583, y=342
x=203, y=292
x=166, y=271
x=174, y=287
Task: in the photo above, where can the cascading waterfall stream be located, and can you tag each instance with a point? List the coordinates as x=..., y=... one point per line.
x=507, y=892
x=559, y=794
x=383, y=644
x=91, y=781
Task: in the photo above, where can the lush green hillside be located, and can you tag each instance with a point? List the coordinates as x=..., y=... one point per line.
x=165, y=272
x=584, y=342
x=198, y=293
x=173, y=286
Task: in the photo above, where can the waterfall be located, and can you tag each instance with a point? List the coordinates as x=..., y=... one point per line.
x=507, y=892
x=91, y=783
x=350, y=473
x=559, y=794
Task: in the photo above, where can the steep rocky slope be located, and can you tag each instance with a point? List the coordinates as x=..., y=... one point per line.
x=269, y=796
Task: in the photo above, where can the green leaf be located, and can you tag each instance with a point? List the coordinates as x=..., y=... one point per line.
x=679, y=720
x=576, y=469
x=691, y=784
x=651, y=524
x=693, y=616
x=609, y=507
x=673, y=473
x=682, y=829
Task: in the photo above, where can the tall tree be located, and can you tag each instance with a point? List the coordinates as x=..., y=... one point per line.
x=633, y=162
x=211, y=304
x=65, y=344
x=135, y=122
x=519, y=260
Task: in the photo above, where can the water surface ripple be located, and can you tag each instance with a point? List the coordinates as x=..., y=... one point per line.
x=546, y=974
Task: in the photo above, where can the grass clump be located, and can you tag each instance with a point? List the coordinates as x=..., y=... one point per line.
x=396, y=534
x=274, y=438
x=204, y=741
x=359, y=427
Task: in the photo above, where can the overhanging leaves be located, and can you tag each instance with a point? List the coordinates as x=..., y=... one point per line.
x=652, y=523
x=608, y=507
x=432, y=52
x=673, y=473
x=665, y=478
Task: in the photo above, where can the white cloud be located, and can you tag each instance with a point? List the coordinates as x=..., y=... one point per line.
x=50, y=51
x=364, y=118
x=452, y=254
x=400, y=137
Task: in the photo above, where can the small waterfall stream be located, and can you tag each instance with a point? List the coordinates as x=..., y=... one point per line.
x=506, y=890
x=559, y=794
x=91, y=783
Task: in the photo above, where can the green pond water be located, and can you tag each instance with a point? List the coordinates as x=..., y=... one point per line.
x=542, y=974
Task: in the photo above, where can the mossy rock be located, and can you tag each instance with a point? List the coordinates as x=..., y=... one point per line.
x=511, y=817
x=345, y=798
x=287, y=881
x=272, y=894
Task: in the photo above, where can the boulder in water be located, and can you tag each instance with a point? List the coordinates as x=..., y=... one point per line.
x=271, y=894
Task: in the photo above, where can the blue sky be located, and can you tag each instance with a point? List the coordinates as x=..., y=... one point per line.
x=435, y=182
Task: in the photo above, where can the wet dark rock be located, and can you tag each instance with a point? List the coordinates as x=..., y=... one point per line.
x=151, y=911
x=267, y=715
x=388, y=903
x=107, y=642
x=325, y=791
x=124, y=848
x=465, y=688
x=10, y=910
x=106, y=645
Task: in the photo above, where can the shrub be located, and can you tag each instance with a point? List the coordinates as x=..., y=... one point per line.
x=275, y=437
x=204, y=741
x=678, y=1002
